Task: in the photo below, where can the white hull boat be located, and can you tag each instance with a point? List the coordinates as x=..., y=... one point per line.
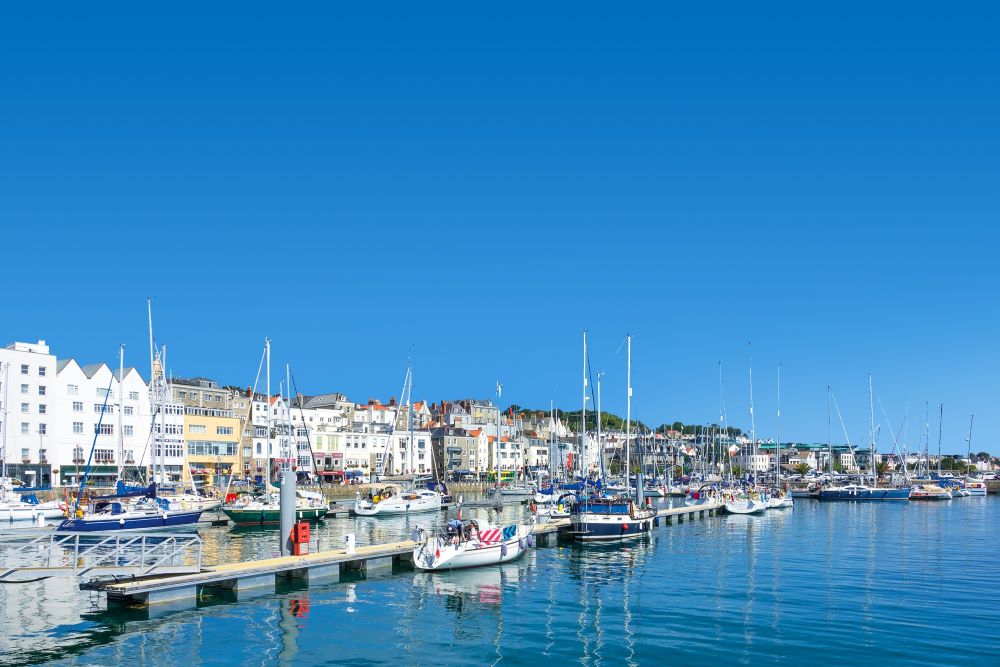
x=746, y=506
x=398, y=501
x=473, y=544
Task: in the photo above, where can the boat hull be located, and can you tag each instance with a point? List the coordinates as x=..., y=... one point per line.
x=437, y=555
x=271, y=516
x=610, y=521
x=151, y=522
x=747, y=506
x=865, y=495
x=363, y=508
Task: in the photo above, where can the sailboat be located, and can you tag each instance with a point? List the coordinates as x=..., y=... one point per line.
x=601, y=518
x=779, y=499
x=862, y=491
x=472, y=543
x=393, y=498
x=135, y=509
x=749, y=500
x=255, y=510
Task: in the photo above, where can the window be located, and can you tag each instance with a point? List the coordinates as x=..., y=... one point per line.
x=223, y=430
x=25, y=454
x=104, y=456
x=24, y=428
x=78, y=427
x=72, y=389
x=77, y=406
x=41, y=408
x=24, y=407
x=104, y=429
x=107, y=409
x=24, y=389
x=24, y=369
x=128, y=409
x=196, y=428
x=41, y=371
x=133, y=396
x=41, y=429
x=101, y=392
x=127, y=429
x=41, y=390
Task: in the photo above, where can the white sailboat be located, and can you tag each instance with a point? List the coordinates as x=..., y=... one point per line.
x=393, y=498
x=471, y=544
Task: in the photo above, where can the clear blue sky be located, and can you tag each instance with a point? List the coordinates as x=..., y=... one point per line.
x=485, y=183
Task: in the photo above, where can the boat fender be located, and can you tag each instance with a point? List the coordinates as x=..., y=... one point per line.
x=520, y=544
x=531, y=540
x=534, y=508
x=624, y=526
x=121, y=522
x=503, y=549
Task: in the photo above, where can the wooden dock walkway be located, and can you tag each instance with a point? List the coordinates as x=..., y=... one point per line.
x=260, y=576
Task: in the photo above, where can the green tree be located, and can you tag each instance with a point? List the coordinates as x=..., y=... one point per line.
x=881, y=468
x=737, y=470
x=802, y=468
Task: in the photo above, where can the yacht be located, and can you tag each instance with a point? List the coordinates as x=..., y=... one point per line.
x=394, y=499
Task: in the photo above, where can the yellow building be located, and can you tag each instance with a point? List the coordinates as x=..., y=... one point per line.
x=211, y=430
x=211, y=444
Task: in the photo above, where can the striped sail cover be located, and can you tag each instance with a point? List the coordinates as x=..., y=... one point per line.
x=496, y=534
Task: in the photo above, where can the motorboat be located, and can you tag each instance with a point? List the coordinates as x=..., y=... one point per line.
x=610, y=518
x=394, y=499
x=471, y=543
x=929, y=492
x=975, y=487
x=250, y=510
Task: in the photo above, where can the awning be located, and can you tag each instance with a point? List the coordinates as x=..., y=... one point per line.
x=353, y=473
x=332, y=473
x=463, y=472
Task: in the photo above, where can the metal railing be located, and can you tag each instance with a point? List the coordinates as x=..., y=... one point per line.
x=100, y=554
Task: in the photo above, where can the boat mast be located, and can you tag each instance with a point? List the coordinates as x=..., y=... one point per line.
x=871, y=430
x=6, y=383
x=267, y=408
x=583, y=413
x=496, y=443
x=628, y=411
x=968, y=455
x=121, y=392
x=777, y=459
x=829, y=429
x=753, y=424
x=552, y=440
x=722, y=421
x=409, y=412
x=600, y=448
x=940, y=424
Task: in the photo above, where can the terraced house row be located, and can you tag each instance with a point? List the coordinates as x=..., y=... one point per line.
x=55, y=414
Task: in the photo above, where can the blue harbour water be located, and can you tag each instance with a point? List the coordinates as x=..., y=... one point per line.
x=880, y=583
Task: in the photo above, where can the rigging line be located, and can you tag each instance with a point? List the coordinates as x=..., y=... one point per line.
x=312, y=457
x=841, y=418
x=249, y=422
x=97, y=430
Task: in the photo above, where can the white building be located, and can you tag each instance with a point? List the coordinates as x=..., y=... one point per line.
x=91, y=410
x=27, y=384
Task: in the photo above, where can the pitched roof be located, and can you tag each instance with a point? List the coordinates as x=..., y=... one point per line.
x=91, y=369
